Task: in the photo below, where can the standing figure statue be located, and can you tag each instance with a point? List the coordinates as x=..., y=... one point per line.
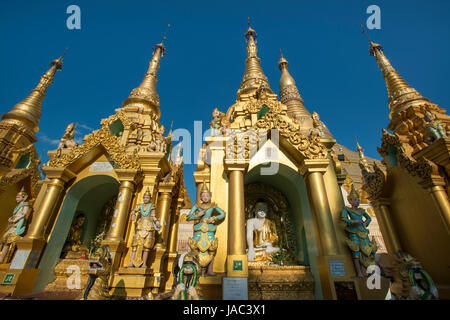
x=216, y=123
x=146, y=226
x=67, y=140
x=205, y=222
x=262, y=239
x=435, y=128
x=17, y=223
x=318, y=126
x=357, y=221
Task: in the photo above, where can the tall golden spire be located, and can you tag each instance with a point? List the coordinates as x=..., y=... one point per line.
x=290, y=96
x=28, y=111
x=146, y=92
x=400, y=94
x=254, y=78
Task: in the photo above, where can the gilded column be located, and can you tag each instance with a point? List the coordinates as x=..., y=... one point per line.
x=440, y=197
x=237, y=261
x=121, y=211
x=115, y=237
x=173, y=242
x=173, y=236
x=386, y=225
x=58, y=177
x=312, y=171
x=163, y=211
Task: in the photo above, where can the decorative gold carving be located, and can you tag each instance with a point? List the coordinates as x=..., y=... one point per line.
x=104, y=138
x=16, y=175
x=374, y=181
x=426, y=170
x=309, y=147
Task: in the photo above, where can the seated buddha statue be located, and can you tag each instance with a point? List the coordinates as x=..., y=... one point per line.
x=262, y=239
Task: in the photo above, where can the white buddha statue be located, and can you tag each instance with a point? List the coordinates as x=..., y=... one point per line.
x=262, y=239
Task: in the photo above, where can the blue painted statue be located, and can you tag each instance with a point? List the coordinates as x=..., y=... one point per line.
x=204, y=240
x=17, y=224
x=357, y=220
x=434, y=127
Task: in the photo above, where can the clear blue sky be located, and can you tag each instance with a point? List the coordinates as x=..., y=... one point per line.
x=204, y=63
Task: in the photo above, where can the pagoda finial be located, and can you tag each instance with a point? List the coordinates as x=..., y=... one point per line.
x=28, y=111
x=290, y=96
x=146, y=92
x=362, y=158
x=400, y=94
x=254, y=78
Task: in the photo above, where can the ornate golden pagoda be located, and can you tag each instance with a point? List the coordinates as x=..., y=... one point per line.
x=18, y=157
x=410, y=193
x=259, y=130
x=124, y=166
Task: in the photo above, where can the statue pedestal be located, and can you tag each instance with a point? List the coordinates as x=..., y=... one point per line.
x=211, y=287
x=133, y=282
x=65, y=272
x=266, y=282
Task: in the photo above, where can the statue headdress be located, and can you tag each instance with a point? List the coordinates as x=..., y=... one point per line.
x=204, y=188
x=200, y=203
x=147, y=193
x=353, y=193
x=23, y=193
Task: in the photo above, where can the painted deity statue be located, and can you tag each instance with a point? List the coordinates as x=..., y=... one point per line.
x=216, y=123
x=146, y=226
x=17, y=224
x=318, y=125
x=357, y=220
x=435, y=128
x=262, y=239
x=73, y=242
x=204, y=239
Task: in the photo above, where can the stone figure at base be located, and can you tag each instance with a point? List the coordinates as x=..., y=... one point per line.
x=99, y=273
x=205, y=222
x=357, y=220
x=146, y=226
x=262, y=239
x=17, y=224
x=186, y=273
x=409, y=281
